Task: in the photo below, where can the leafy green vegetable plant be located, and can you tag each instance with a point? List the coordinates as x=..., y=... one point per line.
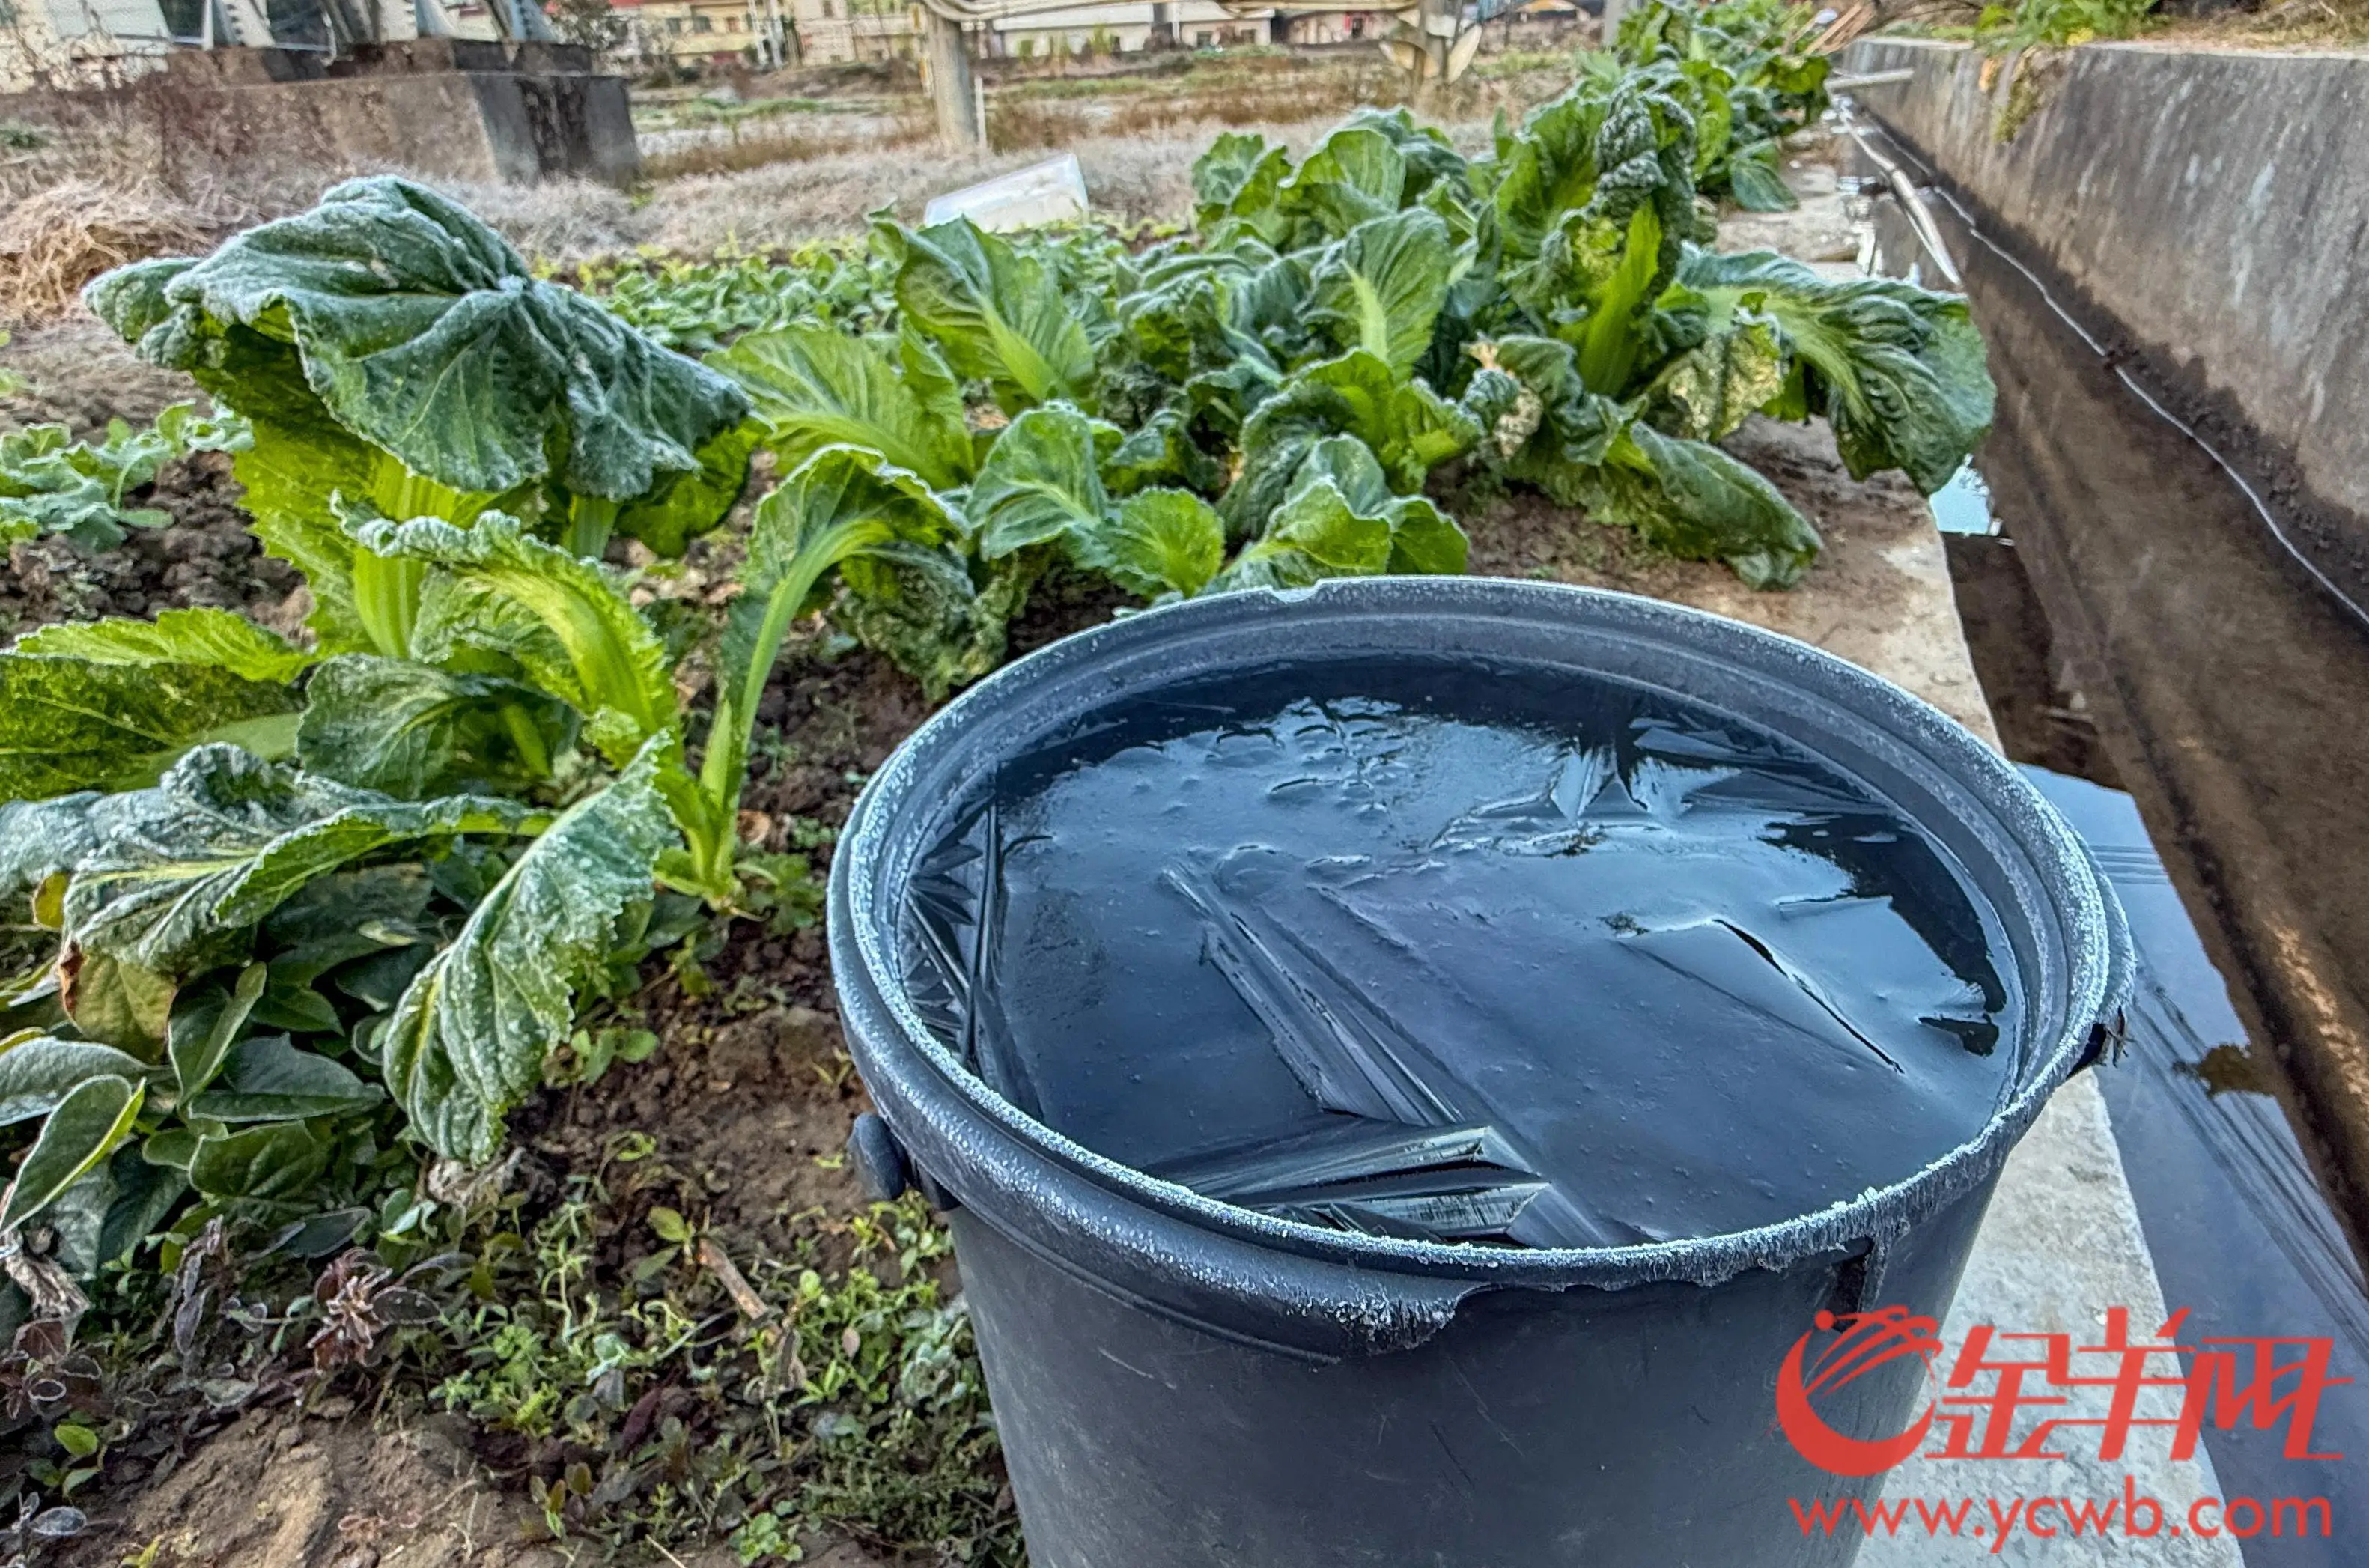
x=390, y=348
x=284, y=913
x=1733, y=65
x=50, y=483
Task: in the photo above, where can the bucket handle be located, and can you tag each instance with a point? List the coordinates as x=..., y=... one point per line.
x=2109, y=1033
x=1859, y=1277
x=886, y=1171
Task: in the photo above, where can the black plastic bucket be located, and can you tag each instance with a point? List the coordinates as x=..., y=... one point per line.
x=1182, y=1382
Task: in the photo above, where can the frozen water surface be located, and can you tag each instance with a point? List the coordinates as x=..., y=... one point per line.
x=1492, y=955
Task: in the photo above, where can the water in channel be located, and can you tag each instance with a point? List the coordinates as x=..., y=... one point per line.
x=1501, y=956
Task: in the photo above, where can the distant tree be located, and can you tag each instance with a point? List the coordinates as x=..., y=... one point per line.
x=591, y=23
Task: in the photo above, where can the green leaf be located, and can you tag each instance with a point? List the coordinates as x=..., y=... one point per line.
x=267, y=1079
x=564, y=619
x=840, y=503
x=686, y=505
x=414, y=729
x=922, y=609
x=174, y=1148
x=1162, y=450
x=1549, y=167
x=279, y=1163
x=1341, y=519
x=143, y=1194
x=87, y=1126
x=1711, y=388
x=116, y=1001
x=69, y=723
x=1430, y=157
x=39, y=1072
x=1381, y=288
x=1040, y=482
x=1557, y=433
x=1356, y=174
x=420, y=330
x=1694, y=501
x=997, y=314
x=1900, y=370
x=1158, y=542
x=202, y=1037
x=41, y=838
x=815, y=386
x=225, y=838
x=1238, y=178
x=131, y=299
x=467, y=1040
x=1612, y=342
x=669, y=1225
x=289, y=474
x=1405, y=424
x=1754, y=179
x=219, y=639
x=50, y=483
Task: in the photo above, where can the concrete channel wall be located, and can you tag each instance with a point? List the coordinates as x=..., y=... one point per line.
x=2171, y=242
x=2214, y=206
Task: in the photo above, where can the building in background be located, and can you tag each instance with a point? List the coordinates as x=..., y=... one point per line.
x=1198, y=24
x=833, y=31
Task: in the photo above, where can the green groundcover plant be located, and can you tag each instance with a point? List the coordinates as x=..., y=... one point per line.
x=51, y=483
x=290, y=919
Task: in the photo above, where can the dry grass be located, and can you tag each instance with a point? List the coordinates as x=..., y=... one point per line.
x=780, y=204
x=754, y=143
x=1020, y=118
x=2295, y=24
x=54, y=241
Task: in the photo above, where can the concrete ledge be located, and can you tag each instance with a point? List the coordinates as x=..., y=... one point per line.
x=447, y=108
x=474, y=125
x=2214, y=207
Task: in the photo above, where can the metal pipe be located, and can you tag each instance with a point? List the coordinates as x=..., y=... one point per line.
x=1920, y=218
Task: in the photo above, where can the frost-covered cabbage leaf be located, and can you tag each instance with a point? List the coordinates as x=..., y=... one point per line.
x=223, y=838
x=50, y=483
x=398, y=315
x=415, y=729
x=71, y=723
x=220, y=638
x=468, y=1038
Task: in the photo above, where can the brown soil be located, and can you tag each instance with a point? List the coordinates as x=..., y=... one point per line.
x=206, y=558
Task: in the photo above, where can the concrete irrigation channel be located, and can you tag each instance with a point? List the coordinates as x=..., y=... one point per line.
x=2163, y=250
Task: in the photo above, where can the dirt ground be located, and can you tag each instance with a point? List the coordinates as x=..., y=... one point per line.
x=207, y=558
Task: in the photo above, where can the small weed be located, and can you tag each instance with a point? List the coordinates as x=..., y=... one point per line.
x=658, y=1411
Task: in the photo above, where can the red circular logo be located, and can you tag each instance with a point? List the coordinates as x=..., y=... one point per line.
x=1867, y=1340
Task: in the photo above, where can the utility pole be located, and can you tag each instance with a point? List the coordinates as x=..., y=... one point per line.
x=945, y=57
